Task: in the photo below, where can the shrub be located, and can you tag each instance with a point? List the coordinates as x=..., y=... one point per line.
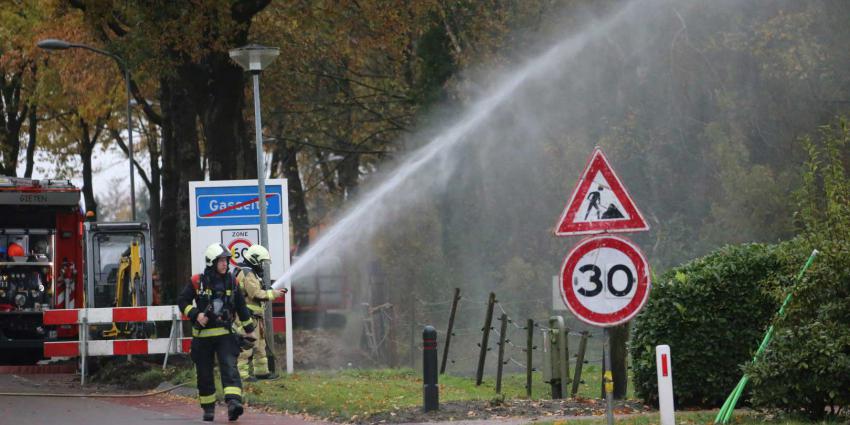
x=806, y=368
x=712, y=312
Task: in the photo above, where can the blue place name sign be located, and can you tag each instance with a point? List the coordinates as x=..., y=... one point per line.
x=229, y=205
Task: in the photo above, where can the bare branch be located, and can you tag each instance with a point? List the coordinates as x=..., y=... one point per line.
x=336, y=149
x=152, y=115
x=116, y=135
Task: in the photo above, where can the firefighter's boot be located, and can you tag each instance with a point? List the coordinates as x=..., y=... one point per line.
x=209, y=413
x=268, y=376
x=234, y=410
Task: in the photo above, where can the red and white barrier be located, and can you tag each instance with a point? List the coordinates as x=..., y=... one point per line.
x=665, y=385
x=96, y=316
x=114, y=347
x=118, y=347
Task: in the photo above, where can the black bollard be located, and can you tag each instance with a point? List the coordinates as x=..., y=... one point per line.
x=431, y=391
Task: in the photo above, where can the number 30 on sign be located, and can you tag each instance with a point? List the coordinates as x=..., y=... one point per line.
x=605, y=280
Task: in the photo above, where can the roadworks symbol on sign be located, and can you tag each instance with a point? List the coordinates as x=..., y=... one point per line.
x=600, y=203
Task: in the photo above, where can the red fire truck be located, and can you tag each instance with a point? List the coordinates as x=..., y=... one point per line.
x=52, y=258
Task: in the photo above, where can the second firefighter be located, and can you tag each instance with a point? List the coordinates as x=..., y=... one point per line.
x=249, y=275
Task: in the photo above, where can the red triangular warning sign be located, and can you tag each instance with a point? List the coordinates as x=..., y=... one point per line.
x=600, y=203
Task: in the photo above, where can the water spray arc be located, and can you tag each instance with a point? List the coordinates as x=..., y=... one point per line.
x=351, y=224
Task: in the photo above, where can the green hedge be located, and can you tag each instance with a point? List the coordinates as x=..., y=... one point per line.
x=806, y=367
x=712, y=312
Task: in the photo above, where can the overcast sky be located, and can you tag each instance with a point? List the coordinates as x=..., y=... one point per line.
x=111, y=167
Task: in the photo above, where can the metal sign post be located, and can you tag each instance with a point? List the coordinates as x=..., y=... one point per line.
x=84, y=348
x=608, y=378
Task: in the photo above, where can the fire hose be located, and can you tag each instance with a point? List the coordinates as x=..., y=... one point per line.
x=96, y=395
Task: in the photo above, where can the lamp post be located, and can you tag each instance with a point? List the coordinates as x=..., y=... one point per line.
x=54, y=44
x=254, y=58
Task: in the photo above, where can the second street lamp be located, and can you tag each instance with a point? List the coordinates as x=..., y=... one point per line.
x=254, y=58
x=54, y=44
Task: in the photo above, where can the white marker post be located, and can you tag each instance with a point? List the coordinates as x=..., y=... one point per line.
x=665, y=385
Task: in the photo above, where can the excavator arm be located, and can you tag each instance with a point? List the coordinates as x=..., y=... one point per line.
x=129, y=276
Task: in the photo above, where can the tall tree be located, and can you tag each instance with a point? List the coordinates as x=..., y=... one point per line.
x=81, y=94
x=13, y=112
x=338, y=98
x=84, y=138
x=17, y=78
x=32, y=127
x=201, y=93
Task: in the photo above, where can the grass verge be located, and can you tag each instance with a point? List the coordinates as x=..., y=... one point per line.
x=695, y=418
x=364, y=392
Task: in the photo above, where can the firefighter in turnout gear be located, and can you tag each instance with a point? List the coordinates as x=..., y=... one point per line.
x=212, y=301
x=249, y=275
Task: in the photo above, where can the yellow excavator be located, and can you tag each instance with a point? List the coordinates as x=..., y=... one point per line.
x=129, y=279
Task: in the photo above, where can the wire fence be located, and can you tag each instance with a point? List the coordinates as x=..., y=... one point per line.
x=467, y=335
x=467, y=332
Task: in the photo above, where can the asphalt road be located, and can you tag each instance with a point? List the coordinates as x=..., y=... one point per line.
x=159, y=409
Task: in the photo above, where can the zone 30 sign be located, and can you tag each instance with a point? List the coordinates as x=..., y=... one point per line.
x=605, y=280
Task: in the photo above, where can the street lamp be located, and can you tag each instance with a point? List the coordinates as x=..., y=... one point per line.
x=254, y=58
x=54, y=44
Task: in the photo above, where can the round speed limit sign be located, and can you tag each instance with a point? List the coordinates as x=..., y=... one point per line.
x=237, y=249
x=605, y=280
